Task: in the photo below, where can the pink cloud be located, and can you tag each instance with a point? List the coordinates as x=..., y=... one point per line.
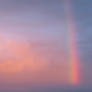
x=21, y=62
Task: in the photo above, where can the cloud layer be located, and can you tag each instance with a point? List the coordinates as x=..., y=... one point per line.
x=32, y=63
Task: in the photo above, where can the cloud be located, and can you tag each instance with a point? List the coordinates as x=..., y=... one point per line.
x=10, y=66
x=24, y=65
x=15, y=55
x=34, y=63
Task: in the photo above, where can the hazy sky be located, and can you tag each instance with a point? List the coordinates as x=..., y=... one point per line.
x=34, y=45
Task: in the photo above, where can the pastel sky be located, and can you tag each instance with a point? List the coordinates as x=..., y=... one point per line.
x=36, y=50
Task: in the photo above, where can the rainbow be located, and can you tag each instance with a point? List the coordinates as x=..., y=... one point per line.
x=72, y=47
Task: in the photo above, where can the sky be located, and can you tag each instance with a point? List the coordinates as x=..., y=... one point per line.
x=45, y=45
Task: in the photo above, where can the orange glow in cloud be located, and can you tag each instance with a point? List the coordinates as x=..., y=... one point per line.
x=11, y=66
x=20, y=62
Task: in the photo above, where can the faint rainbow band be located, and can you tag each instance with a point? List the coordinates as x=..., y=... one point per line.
x=72, y=47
